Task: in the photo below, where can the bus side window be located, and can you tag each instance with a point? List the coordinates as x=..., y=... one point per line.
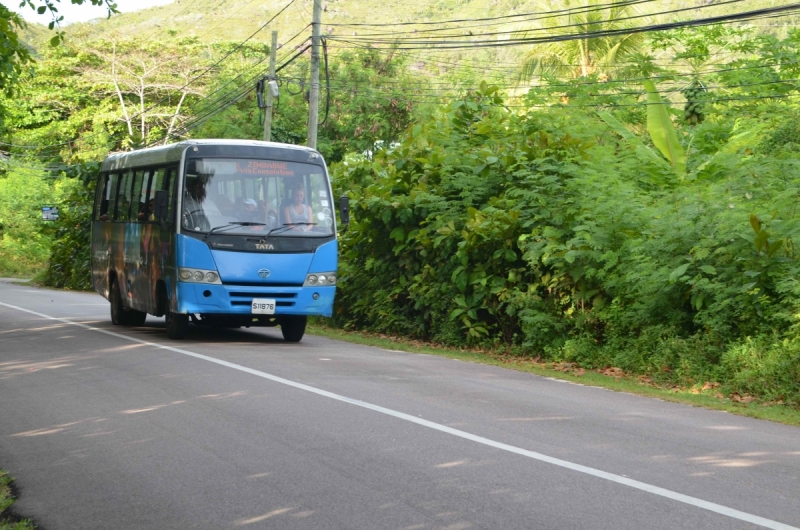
x=109, y=198
x=169, y=184
x=152, y=179
x=138, y=202
x=100, y=200
x=124, y=197
x=156, y=183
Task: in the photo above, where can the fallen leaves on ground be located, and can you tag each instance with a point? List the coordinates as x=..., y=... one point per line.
x=739, y=398
x=613, y=372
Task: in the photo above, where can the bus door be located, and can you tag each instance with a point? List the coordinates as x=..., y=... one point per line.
x=123, y=256
x=156, y=240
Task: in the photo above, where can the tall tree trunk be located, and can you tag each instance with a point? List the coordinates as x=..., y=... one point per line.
x=119, y=91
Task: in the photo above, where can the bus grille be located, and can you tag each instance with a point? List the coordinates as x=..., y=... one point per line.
x=262, y=295
x=281, y=299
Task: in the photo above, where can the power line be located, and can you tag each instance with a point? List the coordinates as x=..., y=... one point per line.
x=226, y=101
x=483, y=19
x=746, y=15
x=609, y=81
x=549, y=28
x=249, y=69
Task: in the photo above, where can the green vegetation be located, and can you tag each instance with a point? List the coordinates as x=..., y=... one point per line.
x=8, y=522
x=564, y=234
x=354, y=119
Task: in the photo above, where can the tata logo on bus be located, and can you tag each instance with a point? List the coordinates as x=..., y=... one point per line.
x=263, y=273
x=263, y=245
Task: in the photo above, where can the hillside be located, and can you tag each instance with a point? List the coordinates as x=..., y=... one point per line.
x=212, y=20
x=237, y=20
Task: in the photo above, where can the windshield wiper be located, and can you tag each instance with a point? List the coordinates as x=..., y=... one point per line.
x=231, y=226
x=286, y=227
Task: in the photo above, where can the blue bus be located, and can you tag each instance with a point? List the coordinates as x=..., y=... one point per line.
x=220, y=233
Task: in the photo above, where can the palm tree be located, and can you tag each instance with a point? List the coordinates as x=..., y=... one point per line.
x=583, y=56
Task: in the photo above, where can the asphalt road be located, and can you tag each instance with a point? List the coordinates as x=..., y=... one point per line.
x=107, y=427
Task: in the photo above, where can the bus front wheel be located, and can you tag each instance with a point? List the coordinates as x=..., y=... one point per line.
x=118, y=315
x=177, y=325
x=293, y=328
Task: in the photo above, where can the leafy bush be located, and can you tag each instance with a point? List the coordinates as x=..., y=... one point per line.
x=764, y=367
x=70, y=263
x=24, y=241
x=552, y=234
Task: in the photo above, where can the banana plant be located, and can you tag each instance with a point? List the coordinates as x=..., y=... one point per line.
x=665, y=137
x=662, y=131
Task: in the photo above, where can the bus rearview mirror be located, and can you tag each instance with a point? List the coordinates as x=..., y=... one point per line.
x=161, y=205
x=344, y=209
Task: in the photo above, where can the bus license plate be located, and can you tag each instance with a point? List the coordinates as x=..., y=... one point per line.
x=263, y=306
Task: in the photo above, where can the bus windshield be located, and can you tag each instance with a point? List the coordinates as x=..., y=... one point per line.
x=251, y=196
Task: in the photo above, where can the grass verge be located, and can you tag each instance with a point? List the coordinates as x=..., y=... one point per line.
x=612, y=379
x=9, y=521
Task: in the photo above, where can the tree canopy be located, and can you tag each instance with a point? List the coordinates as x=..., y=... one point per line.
x=14, y=54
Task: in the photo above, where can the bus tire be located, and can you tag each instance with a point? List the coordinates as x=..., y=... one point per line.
x=135, y=318
x=119, y=316
x=293, y=328
x=177, y=325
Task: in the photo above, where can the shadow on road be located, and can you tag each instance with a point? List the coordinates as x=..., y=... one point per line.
x=155, y=331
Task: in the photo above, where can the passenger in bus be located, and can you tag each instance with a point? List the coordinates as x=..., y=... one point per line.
x=146, y=212
x=250, y=211
x=298, y=214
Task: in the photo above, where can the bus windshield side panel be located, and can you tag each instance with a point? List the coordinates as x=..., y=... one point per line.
x=101, y=230
x=256, y=197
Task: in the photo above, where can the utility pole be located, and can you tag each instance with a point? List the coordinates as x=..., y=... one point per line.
x=313, y=97
x=268, y=113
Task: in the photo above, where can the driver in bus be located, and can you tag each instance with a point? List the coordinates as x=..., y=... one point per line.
x=196, y=207
x=298, y=214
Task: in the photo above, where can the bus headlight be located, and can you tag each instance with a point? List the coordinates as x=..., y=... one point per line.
x=320, y=278
x=198, y=276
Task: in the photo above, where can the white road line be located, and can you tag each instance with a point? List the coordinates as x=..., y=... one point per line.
x=619, y=479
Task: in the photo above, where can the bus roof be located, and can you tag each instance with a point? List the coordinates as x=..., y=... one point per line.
x=153, y=156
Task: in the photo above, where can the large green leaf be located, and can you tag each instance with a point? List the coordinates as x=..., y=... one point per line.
x=641, y=149
x=736, y=142
x=661, y=130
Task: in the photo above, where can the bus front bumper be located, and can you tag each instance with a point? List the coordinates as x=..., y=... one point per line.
x=208, y=299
